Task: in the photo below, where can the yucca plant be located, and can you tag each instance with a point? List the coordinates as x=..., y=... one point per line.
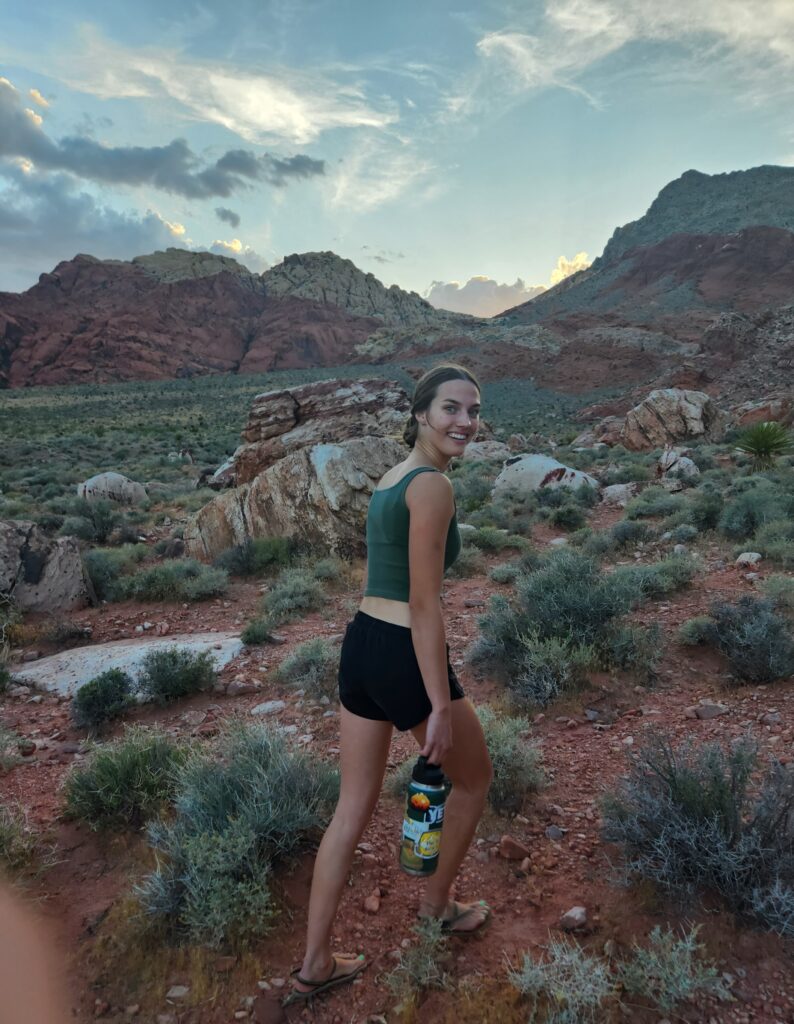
x=764, y=442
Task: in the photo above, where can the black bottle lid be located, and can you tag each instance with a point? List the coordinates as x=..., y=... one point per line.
x=427, y=774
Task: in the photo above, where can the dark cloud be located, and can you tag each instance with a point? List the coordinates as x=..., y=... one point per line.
x=385, y=255
x=171, y=168
x=229, y=216
x=47, y=218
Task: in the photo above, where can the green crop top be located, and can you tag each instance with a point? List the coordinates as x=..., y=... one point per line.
x=387, y=540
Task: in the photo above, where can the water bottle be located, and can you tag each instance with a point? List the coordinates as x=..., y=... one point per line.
x=424, y=816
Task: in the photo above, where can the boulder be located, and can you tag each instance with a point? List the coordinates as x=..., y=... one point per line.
x=112, y=487
x=282, y=422
x=770, y=410
x=620, y=494
x=318, y=495
x=488, y=450
x=41, y=574
x=669, y=415
x=674, y=462
x=606, y=431
x=531, y=472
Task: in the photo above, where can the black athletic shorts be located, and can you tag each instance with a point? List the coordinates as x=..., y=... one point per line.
x=379, y=675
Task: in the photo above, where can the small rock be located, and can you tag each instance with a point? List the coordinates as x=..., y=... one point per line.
x=263, y=985
x=241, y=1014
x=26, y=747
x=555, y=832
x=278, y=982
x=705, y=711
x=148, y=625
x=748, y=558
x=100, y=1007
x=139, y=629
x=558, y=542
x=574, y=918
x=770, y=718
x=288, y=730
x=680, y=549
x=177, y=992
x=238, y=687
x=473, y=602
x=31, y=655
x=372, y=904
x=512, y=849
x=277, y=638
x=19, y=691
x=269, y=707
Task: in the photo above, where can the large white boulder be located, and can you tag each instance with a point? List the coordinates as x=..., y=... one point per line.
x=531, y=472
x=669, y=415
x=112, y=487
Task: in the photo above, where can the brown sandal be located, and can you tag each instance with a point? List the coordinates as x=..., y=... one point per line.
x=316, y=987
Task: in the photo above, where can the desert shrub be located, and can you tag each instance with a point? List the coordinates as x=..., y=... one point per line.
x=470, y=562
x=472, y=480
x=687, y=823
x=169, y=673
x=18, y=841
x=255, y=555
x=669, y=970
x=634, y=649
x=516, y=761
x=765, y=442
x=509, y=510
x=653, y=502
x=623, y=534
x=585, y=495
x=779, y=590
x=187, y=580
x=570, y=984
x=294, y=591
x=77, y=526
x=421, y=965
x=101, y=699
x=63, y=632
x=684, y=533
x=548, y=668
x=755, y=639
x=313, y=667
x=750, y=509
x=568, y=517
x=9, y=749
x=257, y=631
x=695, y=631
x=93, y=521
x=328, y=570
x=664, y=577
x=489, y=538
x=775, y=541
x=505, y=572
x=105, y=565
x=238, y=810
x=124, y=783
x=703, y=509
x=568, y=598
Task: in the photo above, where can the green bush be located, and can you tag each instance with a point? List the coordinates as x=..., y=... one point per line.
x=517, y=762
x=549, y=668
x=624, y=534
x=779, y=590
x=765, y=442
x=293, y=592
x=104, y=566
x=19, y=844
x=703, y=510
x=687, y=822
x=775, y=541
x=470, y=562
x=172, y=672
x=750, y=509
x=238, y=811
x=756, y=640
x=568, y=517
x=653, y=502
x=695, y=631
x=186, y=580
x=420, y=966
x=684, y=533
x=669, y=970
x=661, y=578
x=124, y=783
x=313, y=667
x=77, y=526
x=256, y=555
x=257, y=631
x=489, y=538
x=634, y=649
x=101, y=699
x=569, y=984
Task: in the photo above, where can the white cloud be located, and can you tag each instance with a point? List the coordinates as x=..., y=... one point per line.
x=480, y=296
x=37, y=119
x=37, y=98
x=566, y=267
x=242, y=253
x=281, y=103
x=379, y=171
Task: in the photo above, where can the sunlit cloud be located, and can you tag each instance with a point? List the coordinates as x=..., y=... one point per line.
x=566, y=267
x=282, y=103
x=37, y=119
x=177, y=230
x=244, y=254
x=37, y=98
x=480, y=296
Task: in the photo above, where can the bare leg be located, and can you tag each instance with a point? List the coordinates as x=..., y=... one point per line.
x=364, y=749
x=469, y=767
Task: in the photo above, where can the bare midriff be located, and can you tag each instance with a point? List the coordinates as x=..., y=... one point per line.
x=396, y=612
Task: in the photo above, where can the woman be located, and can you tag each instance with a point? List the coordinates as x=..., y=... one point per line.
x=395, y=671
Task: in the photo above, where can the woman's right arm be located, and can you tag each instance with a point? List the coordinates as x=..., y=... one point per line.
x=430, y=501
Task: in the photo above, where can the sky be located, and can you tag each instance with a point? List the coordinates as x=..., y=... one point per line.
x=472, y=152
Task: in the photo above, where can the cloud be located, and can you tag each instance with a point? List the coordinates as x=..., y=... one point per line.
x=378, y=172
x=754, y=39
x=281, y=103
x=47, y=218
x=37, y=98
x=384, y=255
x=480, y=296
x=565, y=267
x=242, y=253
x=227, y=215
x=171, y=168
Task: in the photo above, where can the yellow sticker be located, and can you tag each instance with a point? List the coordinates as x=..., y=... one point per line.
x=429, y=845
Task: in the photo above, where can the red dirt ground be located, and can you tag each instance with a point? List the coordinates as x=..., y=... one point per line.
x=582, y=760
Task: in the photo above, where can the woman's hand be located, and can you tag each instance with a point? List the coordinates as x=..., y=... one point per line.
x=438, y=737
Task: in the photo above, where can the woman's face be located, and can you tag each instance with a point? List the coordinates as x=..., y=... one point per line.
x=453, y=418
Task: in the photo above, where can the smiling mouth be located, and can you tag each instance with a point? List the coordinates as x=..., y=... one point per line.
x=459, y=437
